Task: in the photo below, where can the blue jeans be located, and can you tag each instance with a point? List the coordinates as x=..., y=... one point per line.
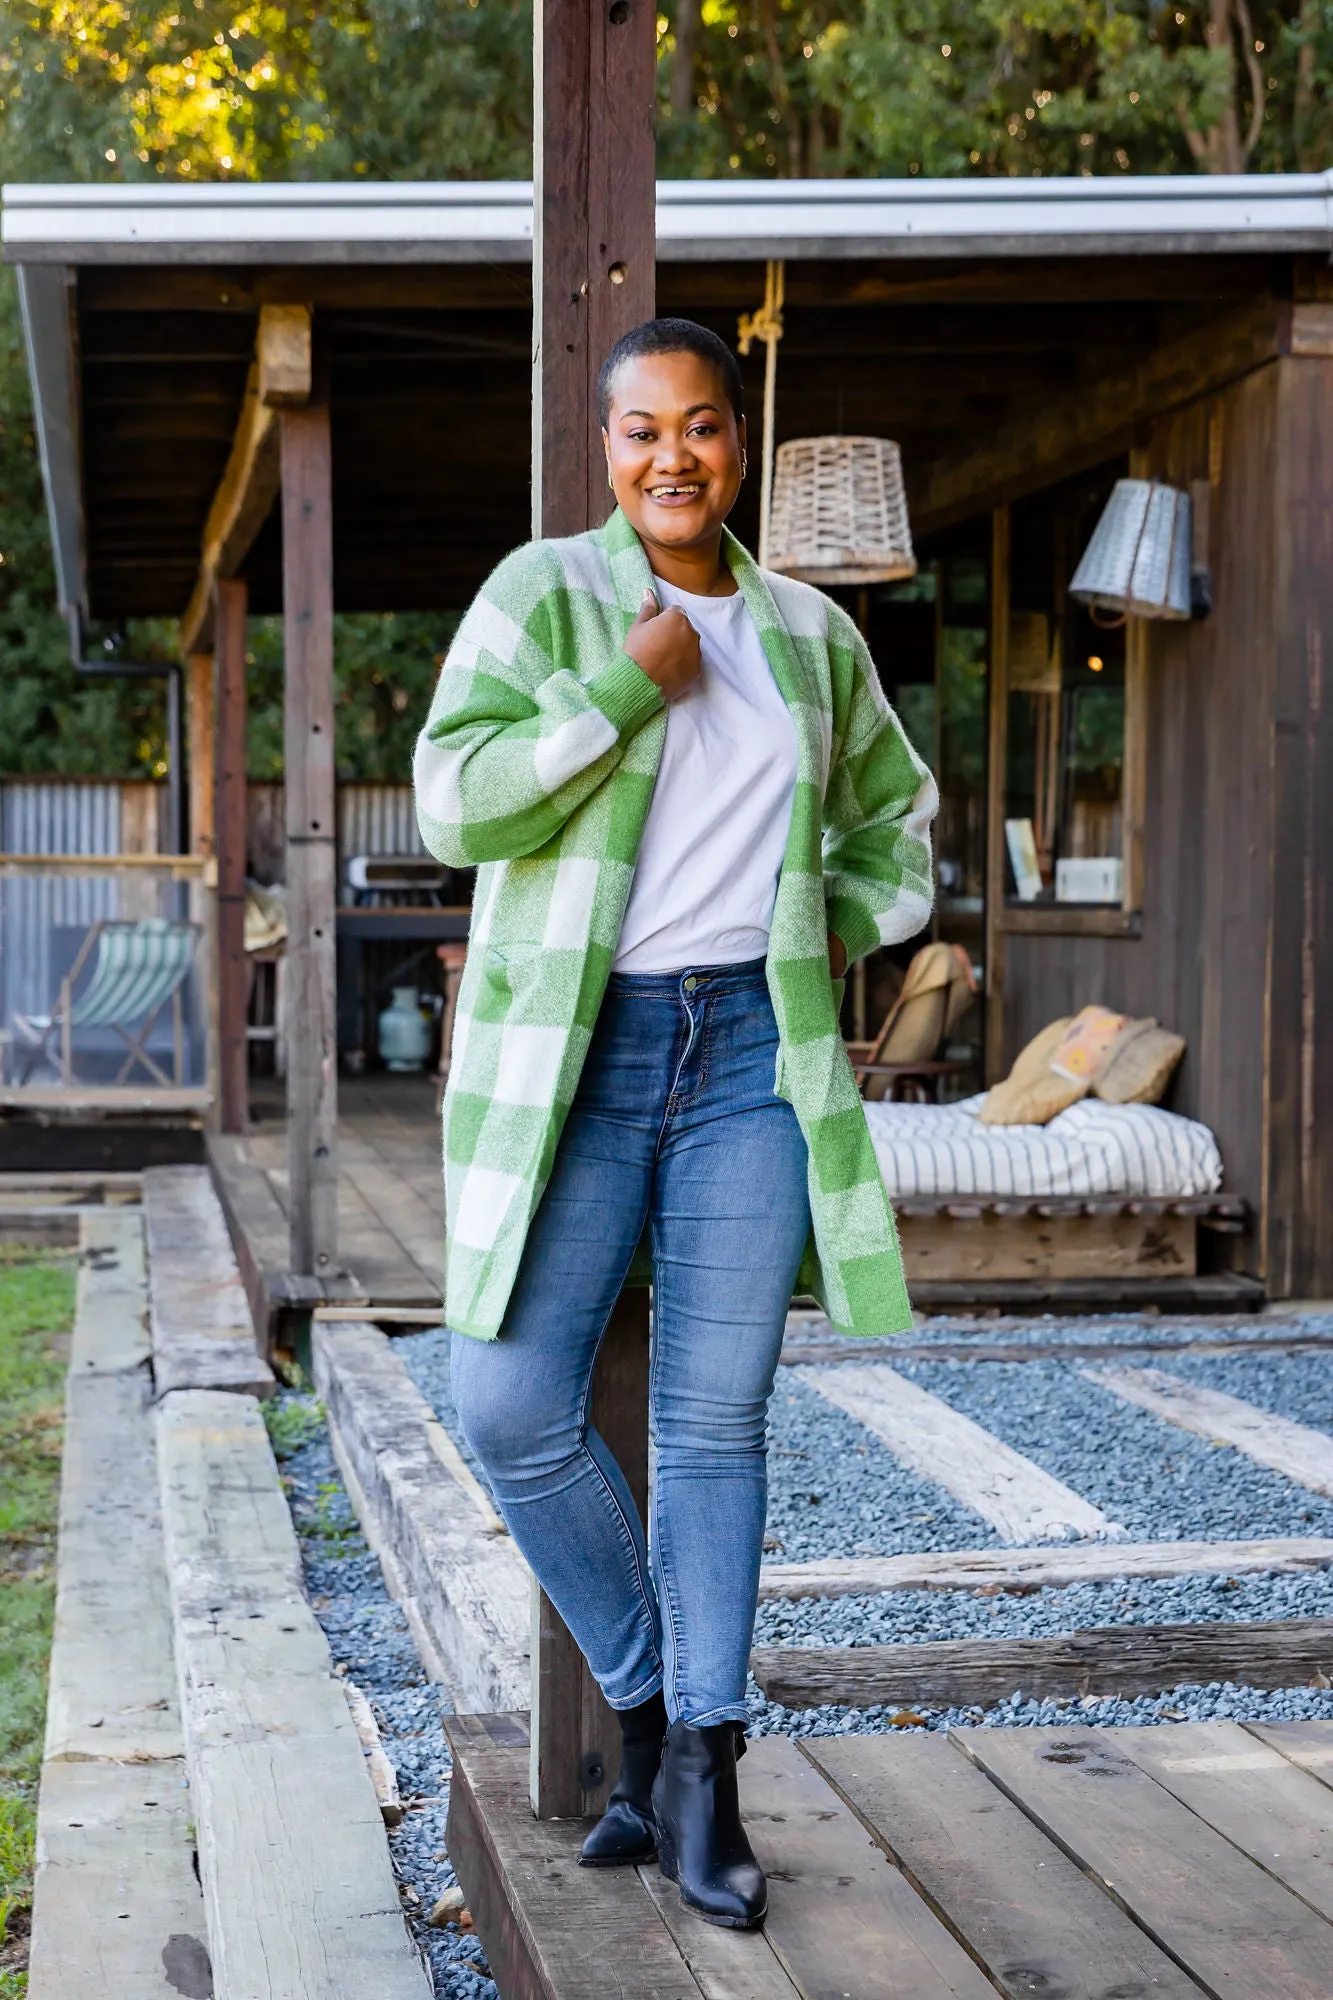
x=675, y=1126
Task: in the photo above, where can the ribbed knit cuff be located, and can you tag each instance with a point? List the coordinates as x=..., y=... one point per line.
x=625, y=695
x=854, y=925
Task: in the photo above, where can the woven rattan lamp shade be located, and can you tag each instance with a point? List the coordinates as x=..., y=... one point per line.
x=839, y=511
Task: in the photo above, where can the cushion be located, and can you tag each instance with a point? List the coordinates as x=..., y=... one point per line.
x=1140, y=1065
x=1032, y=1093
x=1087, y=1044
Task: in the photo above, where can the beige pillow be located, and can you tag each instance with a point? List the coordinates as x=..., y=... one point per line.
x=1141, y=1065
x=1031, y=1094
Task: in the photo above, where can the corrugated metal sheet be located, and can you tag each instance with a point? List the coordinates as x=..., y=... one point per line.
x=38, y=919
x=377, y=819
x=63, y=816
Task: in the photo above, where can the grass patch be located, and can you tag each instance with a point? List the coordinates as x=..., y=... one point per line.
x=36, y=1309
x=292, y=1421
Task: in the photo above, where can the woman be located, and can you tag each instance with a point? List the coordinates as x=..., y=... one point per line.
x=691, y=807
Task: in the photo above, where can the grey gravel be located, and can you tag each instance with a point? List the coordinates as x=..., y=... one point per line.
x=895, y=1617
x=1159, y=1482
x=1189, y=1702
x=368, y=1636
x=1296, y=1386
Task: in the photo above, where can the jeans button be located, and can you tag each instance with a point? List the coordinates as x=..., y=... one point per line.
x=690, y=984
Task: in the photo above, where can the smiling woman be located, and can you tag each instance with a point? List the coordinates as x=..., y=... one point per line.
x=692, y=806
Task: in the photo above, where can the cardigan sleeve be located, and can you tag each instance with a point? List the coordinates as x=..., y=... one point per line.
x=515, y=740
x=878, y=807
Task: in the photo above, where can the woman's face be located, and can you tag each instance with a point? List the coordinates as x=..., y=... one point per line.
x=673, y=448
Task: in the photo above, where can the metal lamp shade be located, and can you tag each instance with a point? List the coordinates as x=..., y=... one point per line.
x=1138, y=561
x=839, y=511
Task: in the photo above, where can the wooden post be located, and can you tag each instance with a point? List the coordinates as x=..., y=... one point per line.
x=200, y=730
x=229, y=844
x=312, y=1045
x=997, y=757
x=593, y=275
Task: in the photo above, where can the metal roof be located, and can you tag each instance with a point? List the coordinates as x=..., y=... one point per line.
x=491, y=221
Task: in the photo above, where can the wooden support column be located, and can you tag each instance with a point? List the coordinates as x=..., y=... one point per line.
x=594, y=255
x=200, y=729
x=997, y=757
x=312, y=1046
x=228, y=842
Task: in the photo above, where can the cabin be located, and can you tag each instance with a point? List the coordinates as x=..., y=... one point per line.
x=303, y=399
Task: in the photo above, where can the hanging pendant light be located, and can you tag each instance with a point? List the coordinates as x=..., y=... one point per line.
x=839, y=511
x=1138, y=561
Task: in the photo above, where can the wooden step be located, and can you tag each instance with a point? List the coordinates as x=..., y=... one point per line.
x=117, y=1911
x=443, y=1547
x=298, y=1888
x=203, y=1334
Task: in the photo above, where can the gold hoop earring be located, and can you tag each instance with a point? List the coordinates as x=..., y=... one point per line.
x=745, y=464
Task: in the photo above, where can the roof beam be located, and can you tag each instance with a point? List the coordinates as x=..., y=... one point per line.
x=1067, y=433
x=279, y=379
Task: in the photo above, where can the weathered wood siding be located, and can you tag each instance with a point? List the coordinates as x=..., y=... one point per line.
x=1237, y=841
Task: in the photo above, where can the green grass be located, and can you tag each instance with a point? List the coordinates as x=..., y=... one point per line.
x=36, y=1306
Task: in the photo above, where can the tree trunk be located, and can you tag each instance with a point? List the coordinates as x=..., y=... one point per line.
x=682, y=67
x=1222, y=151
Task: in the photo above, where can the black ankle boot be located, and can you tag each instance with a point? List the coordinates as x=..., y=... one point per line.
x=625, y=1834
x=701, y=1844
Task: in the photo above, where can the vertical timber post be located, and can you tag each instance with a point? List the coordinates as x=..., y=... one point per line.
x=593, y=278
x=229, y=835
x=312, y=1044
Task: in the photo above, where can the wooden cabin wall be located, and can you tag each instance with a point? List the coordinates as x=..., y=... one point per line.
x=1238, y=836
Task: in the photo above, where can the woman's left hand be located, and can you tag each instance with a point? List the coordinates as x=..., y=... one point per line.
x=837, y=955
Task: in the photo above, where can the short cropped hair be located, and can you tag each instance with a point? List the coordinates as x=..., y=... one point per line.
x=671, y=336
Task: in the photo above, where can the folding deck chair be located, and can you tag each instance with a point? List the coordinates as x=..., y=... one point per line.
x=139, y=968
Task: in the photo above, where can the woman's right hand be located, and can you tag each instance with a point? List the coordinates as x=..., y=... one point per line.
x=666, y=646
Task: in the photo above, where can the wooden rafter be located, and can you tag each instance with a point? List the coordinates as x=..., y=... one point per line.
x=279, y=379
x=1091, y=422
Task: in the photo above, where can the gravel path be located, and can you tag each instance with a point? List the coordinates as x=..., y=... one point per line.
x=1159, y=1482
x=894, y=1617
x=1218, y=1701
x=1298, y=1386
x=369, y=1637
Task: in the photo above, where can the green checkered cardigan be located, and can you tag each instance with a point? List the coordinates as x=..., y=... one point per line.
x=537, y=765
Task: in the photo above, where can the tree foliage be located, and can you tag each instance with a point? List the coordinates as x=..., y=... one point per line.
x=183, y=90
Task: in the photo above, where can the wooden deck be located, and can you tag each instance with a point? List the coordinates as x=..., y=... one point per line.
x=1177, y=1861
x=390, y=1201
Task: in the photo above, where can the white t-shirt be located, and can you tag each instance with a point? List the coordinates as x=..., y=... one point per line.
x=707, y=873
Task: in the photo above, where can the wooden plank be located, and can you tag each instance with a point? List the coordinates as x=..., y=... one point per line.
x=1110, y=1659
x=284, y=356
x=241, y=505
x=956, y=1248
x=1023, y=1503
x=55, y=1228
x=469, y=1584
x=297, y=1882
x=1040, y=1569
x=842, y=1920
x=552, y=1930
x=258, y=1226
x=311, y=829
x=117, y=1910
x=1307, y=1745
x=229, y=845
x=1080, y=427
x=1299, y=1453
x=203, y=1336
x=1231, y=1927
x=1021, y=1907
x=111, y=1311
x=415, y=1224
x=1250, y=1793
x=725, y=1964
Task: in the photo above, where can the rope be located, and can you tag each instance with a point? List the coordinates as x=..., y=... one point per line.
x=766, y=325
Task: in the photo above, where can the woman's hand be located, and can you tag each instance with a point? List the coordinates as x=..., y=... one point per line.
x=837, y=956
x=666, y=646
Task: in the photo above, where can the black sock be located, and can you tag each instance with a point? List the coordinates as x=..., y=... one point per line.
x=645, y=1724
